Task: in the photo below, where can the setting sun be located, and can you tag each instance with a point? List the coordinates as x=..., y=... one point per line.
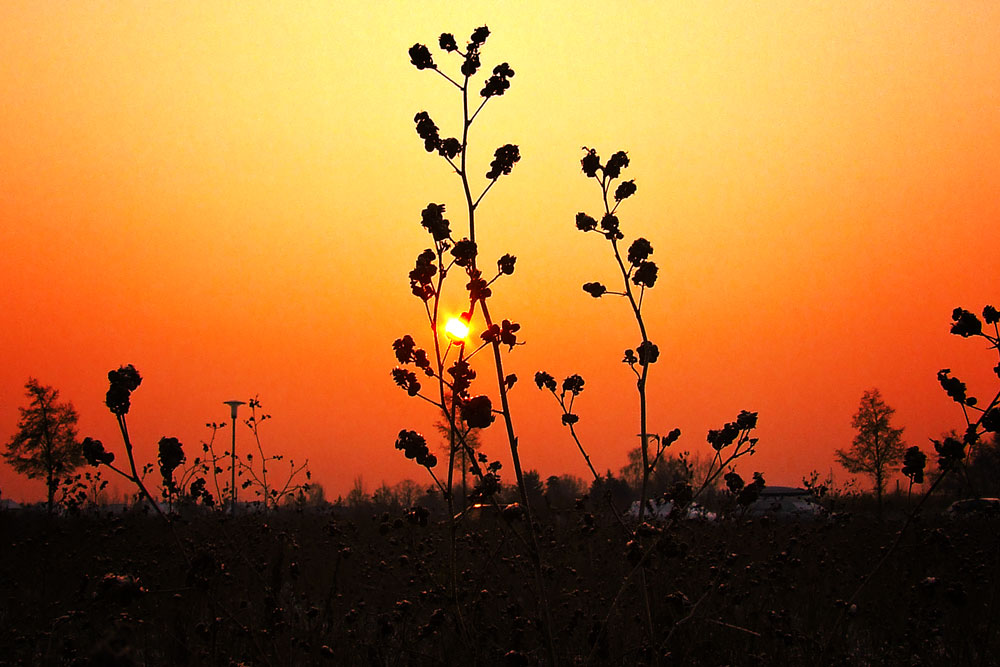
x=457, y=329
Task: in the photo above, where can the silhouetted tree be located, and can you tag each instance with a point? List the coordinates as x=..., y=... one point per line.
x=407, y=491
x=611, y=487
x=461, y=458
x=45, y=444
x=561, y=491
x=357, y=495
x=667, y=471
x=877, y=447
x=534, y=487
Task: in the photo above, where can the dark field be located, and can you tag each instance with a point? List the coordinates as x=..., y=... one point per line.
x=322, y=588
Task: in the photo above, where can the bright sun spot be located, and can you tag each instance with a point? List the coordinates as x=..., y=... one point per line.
x=457, y=329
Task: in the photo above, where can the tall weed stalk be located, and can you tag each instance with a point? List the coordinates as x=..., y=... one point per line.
x=465, y=410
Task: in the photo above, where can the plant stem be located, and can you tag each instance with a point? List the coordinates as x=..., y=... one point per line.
x=123, y=427
x=534, y=548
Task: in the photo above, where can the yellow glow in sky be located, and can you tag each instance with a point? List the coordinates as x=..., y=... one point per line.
x=457, y=329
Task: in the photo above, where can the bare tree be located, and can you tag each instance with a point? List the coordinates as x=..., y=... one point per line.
x=877, y=447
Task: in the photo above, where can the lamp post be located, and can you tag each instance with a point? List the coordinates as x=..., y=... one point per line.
x=233, y=405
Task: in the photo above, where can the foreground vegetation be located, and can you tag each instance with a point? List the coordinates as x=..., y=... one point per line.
x=372, y=588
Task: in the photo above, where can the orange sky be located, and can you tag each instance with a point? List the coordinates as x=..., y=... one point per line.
x=228, y=196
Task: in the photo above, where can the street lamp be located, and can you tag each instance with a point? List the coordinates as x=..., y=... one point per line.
x=233, y=405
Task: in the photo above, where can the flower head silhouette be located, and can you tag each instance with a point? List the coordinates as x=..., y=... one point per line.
x=94, y=452
x=123, y=381
x=428, y=131
x=498, y=83
x=422, y=273
x=585, y=223
x=616, y=163
x=505, y=264
x=447, y=42
x=545, y=381
x=590, y=163
x=965, y=324
x=503, y=161
x=433, y=220
x=421, y=58
x=477, y=412
x=639, y=250
x=645, y=274
x=464, y=252
x=414, y=446
x=573, y=384
x=479, y=36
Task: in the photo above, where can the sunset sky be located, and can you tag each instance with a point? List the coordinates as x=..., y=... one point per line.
x=227, y=195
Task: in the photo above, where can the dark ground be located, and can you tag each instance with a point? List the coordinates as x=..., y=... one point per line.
x=320, y=588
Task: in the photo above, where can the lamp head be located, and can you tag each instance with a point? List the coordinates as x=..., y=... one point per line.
x=233, y=405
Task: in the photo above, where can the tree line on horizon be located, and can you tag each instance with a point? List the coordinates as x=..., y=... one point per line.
x=47, y=447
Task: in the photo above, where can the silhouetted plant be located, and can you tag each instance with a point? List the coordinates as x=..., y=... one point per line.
x=433, y=265
x=914, y=461
x=122, y=382
x=454, y=397
x=743, y=494
x=573, y=386
x=979, y=419
x=213, y=464
x=469, y=442
x=638, y=274
x=189, y=485
x=82, y=490
x=426, y=280
x=256, y=468
x=171, y=455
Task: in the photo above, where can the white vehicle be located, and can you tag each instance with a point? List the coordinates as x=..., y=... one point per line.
x=660, y=510
x=786, y=502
